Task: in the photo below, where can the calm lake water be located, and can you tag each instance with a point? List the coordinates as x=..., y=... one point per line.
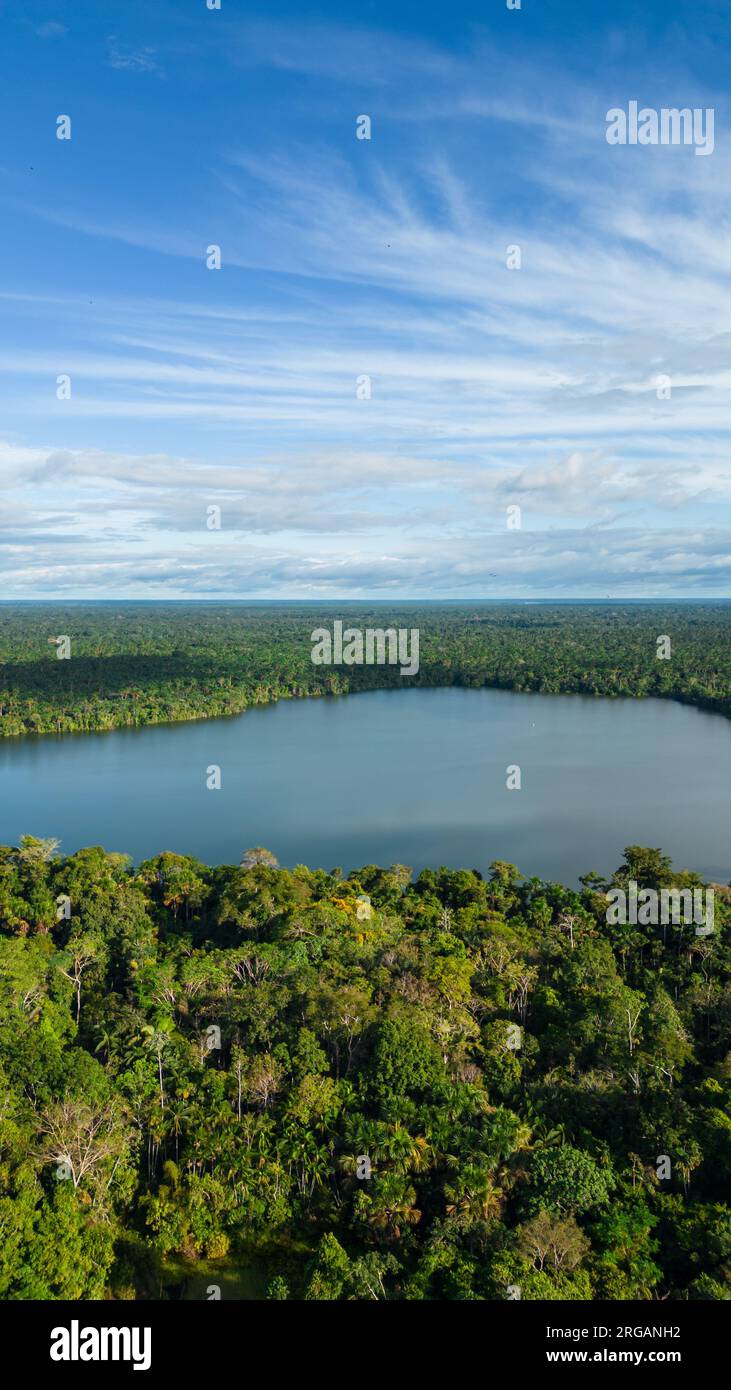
x=414, y=777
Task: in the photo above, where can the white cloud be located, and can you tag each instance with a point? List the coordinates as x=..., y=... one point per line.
x=51, y=30
x=125, y=58
x=488, y=385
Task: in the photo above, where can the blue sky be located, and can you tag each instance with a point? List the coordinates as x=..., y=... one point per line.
x=345, y=258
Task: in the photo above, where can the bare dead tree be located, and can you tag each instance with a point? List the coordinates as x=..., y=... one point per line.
x=83, y=1138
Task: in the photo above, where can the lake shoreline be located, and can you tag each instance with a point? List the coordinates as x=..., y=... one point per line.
x=678, y=699
x=419, y=779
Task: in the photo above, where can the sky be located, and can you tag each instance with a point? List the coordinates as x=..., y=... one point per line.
x=365, y=387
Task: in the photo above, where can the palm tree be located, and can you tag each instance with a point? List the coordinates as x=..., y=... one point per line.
x=392, y=1205
x=158, y=1039
x=406, y=1151
x=474, y=1196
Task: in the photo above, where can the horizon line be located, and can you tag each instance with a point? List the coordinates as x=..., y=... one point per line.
x=311, y=602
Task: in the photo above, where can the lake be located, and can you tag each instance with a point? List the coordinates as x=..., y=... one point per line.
x=412, y=776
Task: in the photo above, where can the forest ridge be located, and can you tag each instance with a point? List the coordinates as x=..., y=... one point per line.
x=137, y=664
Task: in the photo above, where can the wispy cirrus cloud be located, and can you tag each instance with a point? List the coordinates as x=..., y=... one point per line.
x=51, y=29
x=129, y=59
x=366, y=383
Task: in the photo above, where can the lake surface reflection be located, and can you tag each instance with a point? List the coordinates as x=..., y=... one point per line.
x=413, y=776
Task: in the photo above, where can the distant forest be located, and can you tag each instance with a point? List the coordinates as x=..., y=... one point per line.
x=310, y=1087
x=136, y=664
